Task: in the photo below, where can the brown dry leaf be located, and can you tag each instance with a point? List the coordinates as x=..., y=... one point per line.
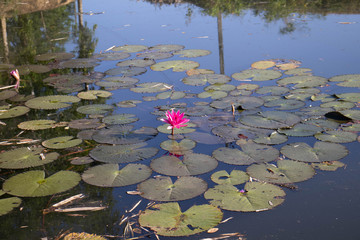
x=133, y=192
x=263, y=64
x=287, y=66
x=213, y=230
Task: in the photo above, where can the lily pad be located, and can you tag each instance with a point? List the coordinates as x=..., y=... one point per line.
x=328, y=166
x=212, y=94
x=6, y=94
x=192, y=164
x=299, y=71
x=303, y=81
x=130, y=48
x=273, y=90
x=271, y=139
x=112, y=56
x=37, y=124
x=202, y=79
x=162, y=188
x=122, y=153
x=336, y=136
x=286, y=171
x=270, y=120
x=85, y=123
x=155, y=55
x=81, y=160
x=79, y=63
x=26, y=157
x=124, y=134
x=175, y=65
x=347, y=80
x=151, y=87
x=322, y=151
x=94, y=109
x=285, y=104
x=136, y=63
x=192, y=53
x=54, y=56
x=300, y=130
x=126, y=71
x=263, y=64
x=183, y=130
x=255, y=197
x=338, y=105
x=220, y=87
x=14, y=112
x=123, y=118
x=200, y=110
x=242, y=102
x=178, y=148
x=168, y=220
x=52, y=102
x=171, y=94
x=111, y=175
x=34, y=183
x=128, y=103
x=256, y=75
x=61, y=142
x=350, y=97
x=236, y=177
x=166, y=47
x=8, y=204
x=94, y=94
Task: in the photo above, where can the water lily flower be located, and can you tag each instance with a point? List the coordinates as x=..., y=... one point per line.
x=175, y=119
x=16, y=75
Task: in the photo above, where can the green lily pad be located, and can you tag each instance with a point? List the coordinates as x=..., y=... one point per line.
x=212, y=94
x=233, y=133
x=79, y=63
x=303, y=81
x=315, y=111
x=6, y=94
x=236, y=177
x=162, y=188
x=263, y=64
x=350, y=97
x=220, y=87
x=81, y=160
x=112, y=56
x=255, y=197
x=203, y=110
x=126, y=71
x=172, y=95
x=202, y=79
x=336, y=136
x=122, y=153
x=302, y=94
x=183, y=130
x=21, y=98
x=85, y=123
x=94, y=109
x=155, y=55
x=259, y=152
x=128, y=103
x=299, y=71
x=178, y=148
x=257, y=75
x=52, y=102
x=243, y=102
x=37, y=124
x=354, y=127
x=301, y=130
x=351, y=113
x=54, y=56
x=338, y=105
x=271, y=139
x=273, y=90
x=24, y=69
x=168, y=220
x=166, y=47
x=191, y=53
x=175, y=65
x=8, y=204
x=124, y=134
x=110, y=175
x=192, y=164
x=26, y=157
x=130, y=48
x=322, y=151
x=14, y=112
x=94, y=94
x=34, y=183
x=151, y=87
x=61, y=142
x=347, y=80
x=285, y=104
x=286, y=171
x=136, y=63
x=328, y=166
x=123, y=118
x=270, y=120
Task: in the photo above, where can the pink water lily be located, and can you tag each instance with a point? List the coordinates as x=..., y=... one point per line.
x=16, y=75
x=175, y=119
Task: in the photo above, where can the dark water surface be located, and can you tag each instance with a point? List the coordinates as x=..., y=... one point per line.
x=324, y=37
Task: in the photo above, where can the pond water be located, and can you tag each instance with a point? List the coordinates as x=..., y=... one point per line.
x=323, y=37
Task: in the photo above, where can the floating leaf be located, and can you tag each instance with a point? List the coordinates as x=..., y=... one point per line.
x=232, y=156
x=136, y=63
x=81, y=160
x=263, y=64
x=274, y=90
x=347, y=80
x=130, y=48
x=273, y=138
x=34, y=183
x=111, y=175
x=338, y=105
x=286, y=171
x=199, y=71
x=8, y=204
x=299, y=71
x=315, y=111
x=176, y=65
x=123, y=118
x=26, y=157
x=285, y=104
x=79, y=63
x=128, y=103
x=270, y=120
x=256, y=75
x=220, y=87
x=328, y=166
x=14, y=112
x=322, y=151
x=336, y=136
x=168, y=220
x=94, y=94
x=204, y=138
x=61, y=142
x=303, y=81
x=83, y=236
x=351, y=113
x=36, y=68
x=192, y=164
x=233, y=133
x=178, y=148
x=256, y=197
x=172, y=95
x=126, y=71
x=192, y=53
x=199, y=111
x=151, y=87
x=300, y=130
x=188, y=129
x=162, y=188
x=212, y=94
x=122, y=153
x=155, y=55
x=112, y=56
x=52, y=102
x=6, y=94
x=37, y=124
x=85, y=123
x=236, y=177
x=350, y=97
x=54, y=56
x=94, y=109
x=124, y=134
x=242, y=102
x=166, y=47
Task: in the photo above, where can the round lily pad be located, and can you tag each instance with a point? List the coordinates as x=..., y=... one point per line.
x=171, y=94
x=347, y=80
x=5, y=94
x=79, y=63
x=322, y=151
x=220, y=87
x=255, y=197
x=124, y=134
x=182, y=130
x=202, y=79
x=285, y=104
x=130, y=48
x=328, y=166
x=199, y=110
x=52, y=102
x=126, y=71
x=299, y=71
x=34, y=183
x=167, y=219
x=192, y=164
x=81, y=160
x=94, y=94
x=123, y=118
x=236, y=177
x=303, y=81
x=136, y=63
x=178, y=148
x=94, y=109
x=14, y=112
x=26, y=157
x=338, y=105
x=122, y=153
x=270, y=119
x=8, y=204
x=286, y=171
x=151, y=87
x=155, y=55
x=128, y=103
x=111, y=175
x=54, y=56
x=301, y=130
x=257, y=75
x=263, y=64
x=273, y=90
x=212, y=94
x=336, y=136
x=36, y=124
x=191, y=53
x=162, y=188
x=166, y=47
x=85, y=123
x=61, y=142
x=175, y=65
x=271, y=139
x=242, y=102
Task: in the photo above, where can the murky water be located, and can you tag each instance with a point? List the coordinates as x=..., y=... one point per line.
x=325, y=39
